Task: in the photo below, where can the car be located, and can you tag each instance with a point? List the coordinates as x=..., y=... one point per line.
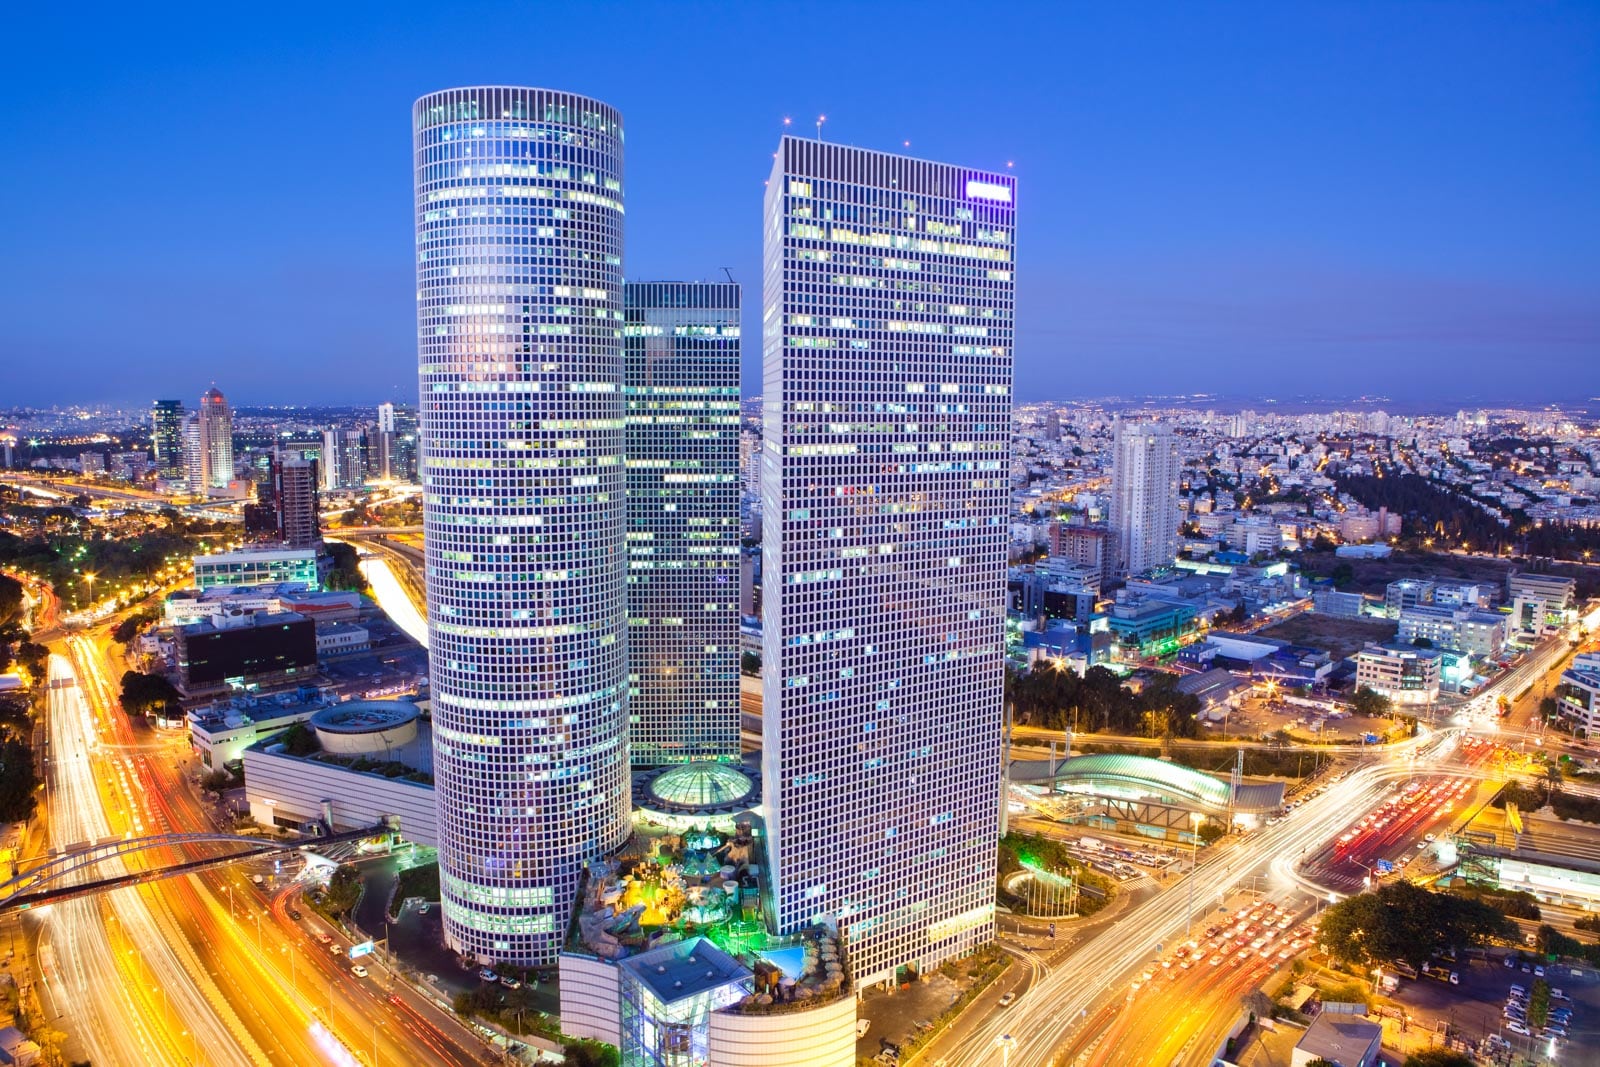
x=1557, y=994
x=294, y=913
x=1517, y=1028
x=359, y=971
x=322, y=938
x=1555, y=1031
x=1526, y=968
x=1215, y=961
x=425, y=908
x=862, y=1026
x=1538, y=972
x=1518, y=988
x=1007, y=999
x=1455, y=978
x=487, y=975
x=1427, y=837
x=511, y=983
x=335, y=949
x=1510, y=962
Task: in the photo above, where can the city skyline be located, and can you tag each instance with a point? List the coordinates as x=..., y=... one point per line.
x=1418, y=232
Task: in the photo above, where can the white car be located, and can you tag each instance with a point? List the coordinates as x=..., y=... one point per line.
x=1007, y=999
x=862, y=1026
x=1517, y=1028
x=359, y=971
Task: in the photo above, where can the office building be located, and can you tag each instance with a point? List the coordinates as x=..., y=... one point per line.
x=1080, y=544
x=520, y=359
x=231, y=652
x=92, y=462
x=216, y=442
x=396, y=453
x=194, y=456
x=889, y=296
x=681, y=365
x=166, y=438
x=1478, y=633
x=1578, y=697
x=1144, y=497
x=1405, y=674
x=344, y=459
x=296, y=507
x=269, y=566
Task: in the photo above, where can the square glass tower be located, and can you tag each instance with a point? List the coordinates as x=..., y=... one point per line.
x=887, y=351
x=681, y=382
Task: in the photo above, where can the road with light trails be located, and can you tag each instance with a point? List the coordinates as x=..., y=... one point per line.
x=109, y=974
x=277, y=987
x=1055, y=1006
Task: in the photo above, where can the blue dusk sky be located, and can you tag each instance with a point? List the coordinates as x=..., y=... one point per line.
x=1248, y=199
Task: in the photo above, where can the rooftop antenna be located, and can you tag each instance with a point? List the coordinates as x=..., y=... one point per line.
x=820, y=120
x=729, y=273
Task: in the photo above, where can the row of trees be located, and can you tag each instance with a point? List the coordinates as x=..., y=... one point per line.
x=1402, y=922
x=1098, y=702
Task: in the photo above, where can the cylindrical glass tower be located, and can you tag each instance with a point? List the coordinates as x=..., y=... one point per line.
x=519, y=344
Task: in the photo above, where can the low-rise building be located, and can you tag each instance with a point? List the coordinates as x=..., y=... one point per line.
x=220, y=732
x=1404, y=594
x=341, y=638
x=1578, y=701
x=1342, y=1040
x=262, y=566
x=238, y=652
x=1407, y=675
x=1465, y=629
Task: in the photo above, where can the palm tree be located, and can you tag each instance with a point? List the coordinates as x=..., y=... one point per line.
x=1552, y=779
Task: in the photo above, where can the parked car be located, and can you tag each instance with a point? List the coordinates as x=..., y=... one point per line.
x=1517, y=1028
x=488, y=976
x=862, y=1026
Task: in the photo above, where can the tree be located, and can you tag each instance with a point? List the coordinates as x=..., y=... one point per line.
x=343, y=892
x=1405, y=922
x=1421, y=642
x=1549, y=708
x=750, y=663
x=216, y=782
x=591, y=1054
x=1342, y=575
x=1439, y=1057
x=1552, y=779
x=143, y=694
x=18, y=780
x=1371, y=703
x=10, y=597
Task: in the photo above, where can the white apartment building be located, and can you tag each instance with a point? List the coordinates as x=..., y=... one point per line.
x=889, y=295
x=1144, y=496
x=1479, y=633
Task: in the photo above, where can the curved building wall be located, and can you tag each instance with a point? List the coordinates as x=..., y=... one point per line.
x=519, y=306
x=821, y=1037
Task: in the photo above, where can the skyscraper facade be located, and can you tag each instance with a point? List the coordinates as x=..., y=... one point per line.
x=166, y=437
x=519, y=207
x=194, y=456
x=887, y=350
x=295, y=501
x=1144, y=515
x=396, y=458
x=216, y=441
x=344, y=459
x=681, y=365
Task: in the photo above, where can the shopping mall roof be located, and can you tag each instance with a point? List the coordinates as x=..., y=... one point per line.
x=1161, y=780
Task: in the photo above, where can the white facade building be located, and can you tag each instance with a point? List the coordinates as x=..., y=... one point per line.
x=889, y=294
x=681, y=350
x=216, y=441
x=519, y=318
x=1144, y=496
x=1404, y=674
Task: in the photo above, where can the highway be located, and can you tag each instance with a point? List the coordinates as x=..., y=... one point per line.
x=108, y=969
x=1060, y=1003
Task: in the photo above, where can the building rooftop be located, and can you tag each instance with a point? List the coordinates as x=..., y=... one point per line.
x=684, y=969
x=1340, y=1039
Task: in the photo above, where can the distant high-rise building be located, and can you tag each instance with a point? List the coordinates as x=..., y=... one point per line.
x=295, y=501
x=216, y=441
x=889, y=293
x=1052, y=425
x=166, y=437
x=681, y=357
x=1144, y=496
x=396, y=453
x=344, y=459
x=194, y=456
x=520, y=357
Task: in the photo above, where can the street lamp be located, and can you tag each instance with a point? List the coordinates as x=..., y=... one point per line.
x=1196, y=818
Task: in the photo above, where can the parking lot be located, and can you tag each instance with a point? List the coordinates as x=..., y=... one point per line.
x=1474, y=1007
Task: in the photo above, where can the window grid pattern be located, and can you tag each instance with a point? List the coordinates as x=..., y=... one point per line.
x=519, y=208
x=681, y=355
x=887, y=364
